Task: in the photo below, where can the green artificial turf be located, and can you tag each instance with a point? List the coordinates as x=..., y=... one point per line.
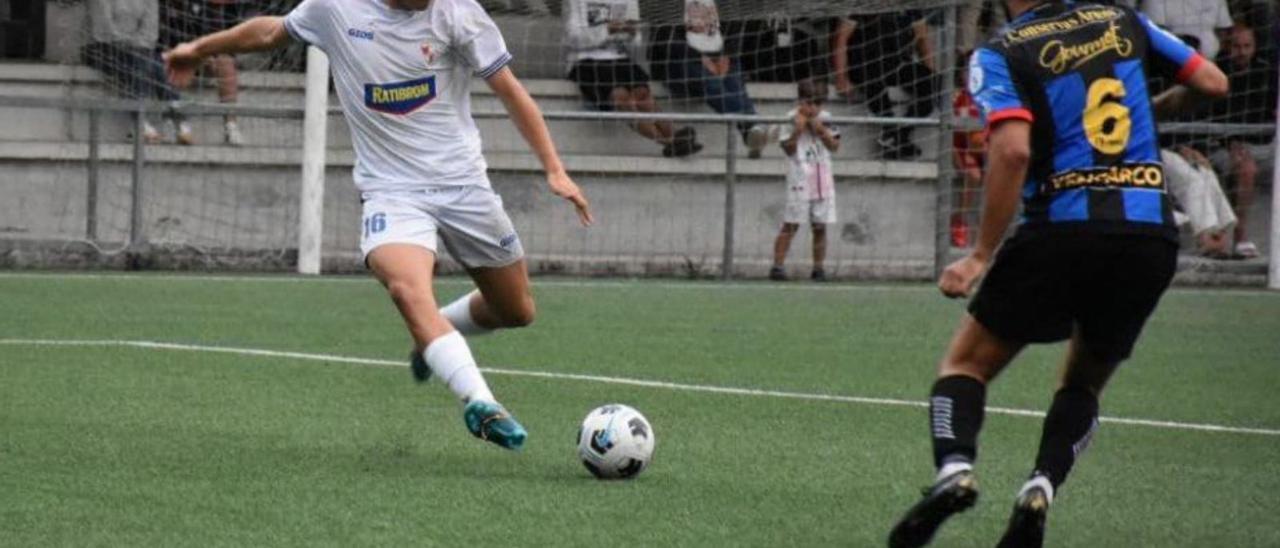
x=126, y=445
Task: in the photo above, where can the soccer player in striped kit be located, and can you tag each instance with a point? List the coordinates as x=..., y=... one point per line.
x=1063, y=92
x=402, y=71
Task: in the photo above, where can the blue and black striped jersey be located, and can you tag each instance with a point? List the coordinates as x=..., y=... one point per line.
x=1078, y=73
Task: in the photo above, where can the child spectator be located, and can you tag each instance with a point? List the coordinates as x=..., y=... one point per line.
x=872, y=53
x=600, y=36
x=811, y=191
x=123, y=49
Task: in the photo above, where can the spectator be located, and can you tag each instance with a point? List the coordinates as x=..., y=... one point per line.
x=811, y=191
x=601, y=34
x=195, y=18
x=967, y=151
x=693, y=62
x=123, y=49
x=872, y=53
x=1246, y=159
x=1194, y=185
x=1201, y=20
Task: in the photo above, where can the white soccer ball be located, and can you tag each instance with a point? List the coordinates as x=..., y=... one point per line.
x=615, y=442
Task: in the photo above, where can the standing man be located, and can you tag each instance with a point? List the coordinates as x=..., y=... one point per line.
x=1062, y=90
x=871, y=53
x=403, y=71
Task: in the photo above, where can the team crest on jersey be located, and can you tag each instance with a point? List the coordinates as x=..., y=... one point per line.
x=401, y=97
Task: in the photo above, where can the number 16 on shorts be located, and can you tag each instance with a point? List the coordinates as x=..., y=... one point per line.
x=375, y=224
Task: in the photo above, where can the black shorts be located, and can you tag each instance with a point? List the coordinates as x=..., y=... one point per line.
x=597, y=79
x=1042, y=287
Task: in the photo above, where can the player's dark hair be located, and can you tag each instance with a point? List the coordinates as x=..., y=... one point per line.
x=812, y=88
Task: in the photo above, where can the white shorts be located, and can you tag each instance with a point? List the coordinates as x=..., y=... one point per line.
x=810, y=211
x=468, y=219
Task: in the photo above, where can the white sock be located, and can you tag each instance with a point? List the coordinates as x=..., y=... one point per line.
x=1041, y=482
x=450, y=360
x=952, y=467
x=459, y=314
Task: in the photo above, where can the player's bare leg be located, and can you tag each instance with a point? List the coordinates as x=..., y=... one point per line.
x=1068, y=428
x=502, y=300
x=406, y=272
x=956, y=408
x=781, y=245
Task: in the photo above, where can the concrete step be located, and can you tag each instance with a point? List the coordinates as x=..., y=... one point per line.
x=274, y=89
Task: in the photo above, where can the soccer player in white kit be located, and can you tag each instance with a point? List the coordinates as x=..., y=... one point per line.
x=403, y=69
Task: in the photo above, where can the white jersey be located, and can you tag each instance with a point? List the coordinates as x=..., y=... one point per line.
x=809, y=175
x=404, y=81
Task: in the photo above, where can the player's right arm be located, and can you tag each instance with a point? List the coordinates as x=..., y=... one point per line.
x=1170, y=57
x=1008, y=121
x=256, y=34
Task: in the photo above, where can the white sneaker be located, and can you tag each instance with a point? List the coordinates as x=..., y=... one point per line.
x=150, y=134
x=1247, y=249
x=233, y=135
x=185, y=135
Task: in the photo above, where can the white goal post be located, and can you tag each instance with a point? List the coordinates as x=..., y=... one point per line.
x=311, y=194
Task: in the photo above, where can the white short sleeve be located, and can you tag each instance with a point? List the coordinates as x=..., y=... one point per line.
x=478, y=40
x=308, y=22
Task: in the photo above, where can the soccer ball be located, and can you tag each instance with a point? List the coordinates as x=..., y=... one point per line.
x=615, y=442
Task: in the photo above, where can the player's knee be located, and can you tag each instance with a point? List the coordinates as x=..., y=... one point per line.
x=790, y=228
x=520, y=316
x=408, y=292
x=819, y=229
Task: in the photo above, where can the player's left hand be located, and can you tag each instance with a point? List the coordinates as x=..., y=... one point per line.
x=958, y=279
x=181, y=63
x=564, y=187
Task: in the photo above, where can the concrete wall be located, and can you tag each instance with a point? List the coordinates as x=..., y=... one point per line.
x=648, y=224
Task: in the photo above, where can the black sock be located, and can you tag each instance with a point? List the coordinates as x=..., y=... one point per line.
x=1068, y=429
x=955, y=417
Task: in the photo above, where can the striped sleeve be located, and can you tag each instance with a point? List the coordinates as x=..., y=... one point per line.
x=994, y=90
x=1169, y=55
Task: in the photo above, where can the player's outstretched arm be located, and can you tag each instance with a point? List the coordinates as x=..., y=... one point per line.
x=256, y=34
x=1008, y=156
x=528, y=119
x=1207, y=81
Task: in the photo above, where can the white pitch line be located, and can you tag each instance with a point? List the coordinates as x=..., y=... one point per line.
x=752, y=392
x=627, y=283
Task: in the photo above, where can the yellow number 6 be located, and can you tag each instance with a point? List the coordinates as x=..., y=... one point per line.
x=1106, y=119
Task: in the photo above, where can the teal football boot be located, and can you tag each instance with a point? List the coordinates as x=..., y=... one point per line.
x=491, y=422
x=418, y=366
